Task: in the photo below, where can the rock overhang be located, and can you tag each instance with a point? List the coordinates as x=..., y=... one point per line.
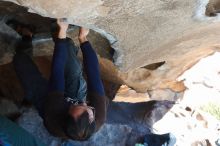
x=153, y=31
x=141, y=32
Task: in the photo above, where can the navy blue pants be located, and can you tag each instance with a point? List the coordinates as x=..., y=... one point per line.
x=36, y=86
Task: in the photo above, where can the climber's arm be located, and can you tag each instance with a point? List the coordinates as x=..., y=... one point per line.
x=95, y=86
x=57, y=82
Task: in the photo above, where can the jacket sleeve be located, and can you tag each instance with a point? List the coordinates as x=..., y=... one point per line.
x=57, y=82
x=96, y=91
x=91, y=65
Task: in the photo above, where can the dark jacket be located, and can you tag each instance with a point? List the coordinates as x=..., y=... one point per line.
x=56, y=108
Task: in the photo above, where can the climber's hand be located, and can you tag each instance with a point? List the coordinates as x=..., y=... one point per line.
x=83, y=32
x=63, y=26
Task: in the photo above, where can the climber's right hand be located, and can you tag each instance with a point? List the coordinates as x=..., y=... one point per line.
x=63, y=26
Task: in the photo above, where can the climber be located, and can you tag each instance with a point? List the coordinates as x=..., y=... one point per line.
x=62, y=100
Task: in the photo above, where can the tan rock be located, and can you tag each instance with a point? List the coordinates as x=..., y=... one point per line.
x=141, y=31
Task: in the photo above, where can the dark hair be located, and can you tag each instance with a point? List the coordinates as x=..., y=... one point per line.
x=80, y=129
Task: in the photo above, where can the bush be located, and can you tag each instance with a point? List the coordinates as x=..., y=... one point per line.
x=213, y=109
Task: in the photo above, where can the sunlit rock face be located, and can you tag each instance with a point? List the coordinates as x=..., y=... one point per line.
x=141, y=31
x=195, y=121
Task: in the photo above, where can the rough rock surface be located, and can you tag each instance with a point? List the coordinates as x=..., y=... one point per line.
x=141, y=31
x=177, y=32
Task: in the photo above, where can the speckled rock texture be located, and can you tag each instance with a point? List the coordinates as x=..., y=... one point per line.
x=141, y=31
